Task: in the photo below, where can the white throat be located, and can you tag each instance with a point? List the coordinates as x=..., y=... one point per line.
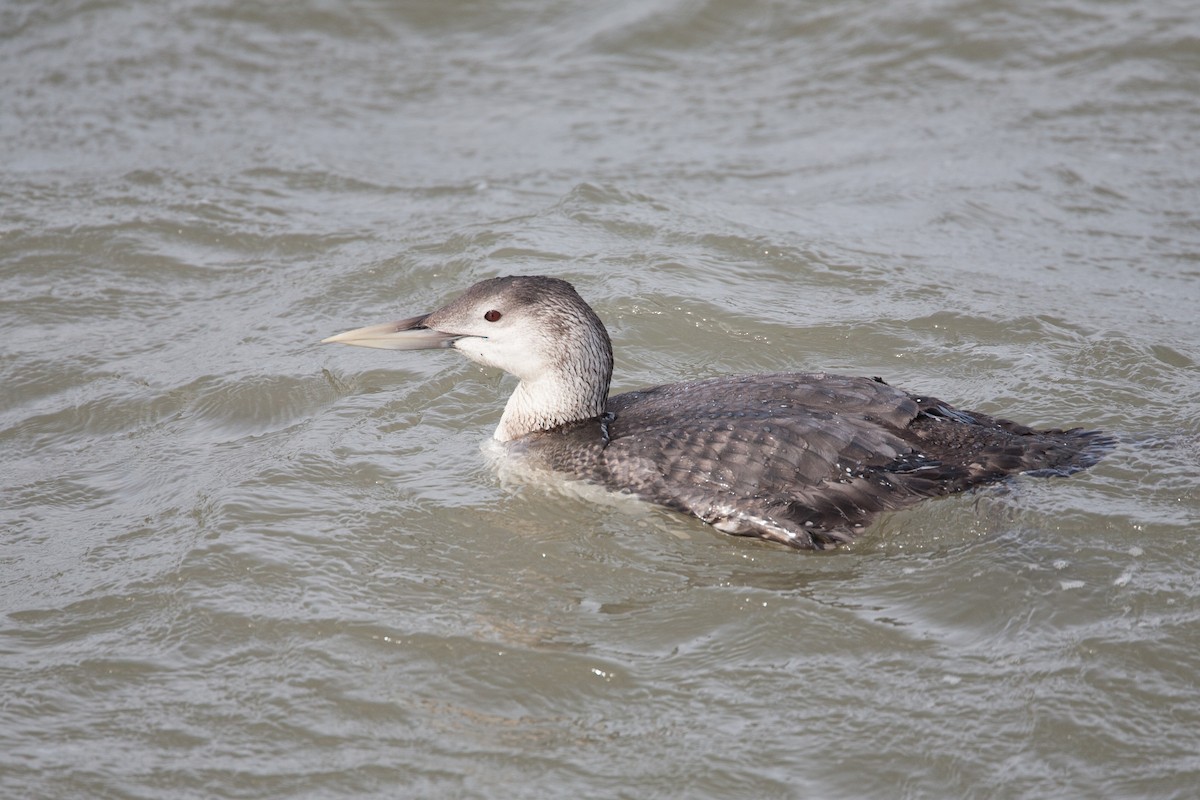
x=551, y=401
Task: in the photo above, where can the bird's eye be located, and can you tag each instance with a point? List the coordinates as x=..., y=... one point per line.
x=492, y=316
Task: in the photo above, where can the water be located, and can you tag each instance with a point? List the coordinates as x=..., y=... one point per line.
x=240, y=564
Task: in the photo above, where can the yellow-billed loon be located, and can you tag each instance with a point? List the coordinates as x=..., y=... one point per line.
x=805, y=459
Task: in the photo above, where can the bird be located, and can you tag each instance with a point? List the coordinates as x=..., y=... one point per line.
x=803, y=459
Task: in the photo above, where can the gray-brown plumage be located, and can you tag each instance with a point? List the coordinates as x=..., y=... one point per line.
x=806, y=459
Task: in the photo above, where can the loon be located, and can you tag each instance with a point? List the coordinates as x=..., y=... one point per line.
x=803, y=459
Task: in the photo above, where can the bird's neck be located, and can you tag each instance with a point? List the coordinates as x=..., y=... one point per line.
x=551, y=401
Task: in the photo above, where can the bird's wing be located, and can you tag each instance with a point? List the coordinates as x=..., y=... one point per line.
x=794, y=459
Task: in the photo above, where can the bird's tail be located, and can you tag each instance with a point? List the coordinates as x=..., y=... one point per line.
x=1058, y=453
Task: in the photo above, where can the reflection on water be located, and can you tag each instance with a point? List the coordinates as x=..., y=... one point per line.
x=237, y=564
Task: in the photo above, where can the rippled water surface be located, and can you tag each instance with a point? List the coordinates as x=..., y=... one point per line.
x=236, y=563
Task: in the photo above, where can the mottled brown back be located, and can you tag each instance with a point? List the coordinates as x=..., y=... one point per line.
x=806, y=459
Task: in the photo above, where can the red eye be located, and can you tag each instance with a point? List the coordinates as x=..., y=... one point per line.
x=492, y=315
